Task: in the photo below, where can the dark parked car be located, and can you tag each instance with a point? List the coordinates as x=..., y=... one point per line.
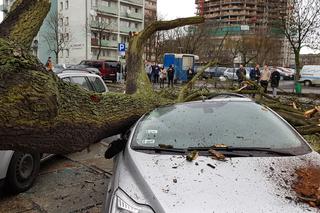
x=107, y=68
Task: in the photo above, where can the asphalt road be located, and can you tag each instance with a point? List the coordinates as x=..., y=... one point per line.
x=288, y=86
x=71, y=183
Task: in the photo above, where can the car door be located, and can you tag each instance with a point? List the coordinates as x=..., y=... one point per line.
x=83, y=82
x=98, y=84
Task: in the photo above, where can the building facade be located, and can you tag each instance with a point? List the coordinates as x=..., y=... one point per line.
x=245, y=17
x=92, y=29
x=96, y=27
x=310, y=59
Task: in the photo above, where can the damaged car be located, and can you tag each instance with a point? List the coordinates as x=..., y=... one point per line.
x=226, y=154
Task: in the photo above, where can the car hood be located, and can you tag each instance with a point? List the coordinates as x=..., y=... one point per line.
x=169, y=183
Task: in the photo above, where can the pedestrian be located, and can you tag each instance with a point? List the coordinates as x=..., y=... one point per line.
x=275, y=78
x=148, y=69
x=163, y=76
x=170, y=75
x=49, y=64
x=190, y=73
x=255, y=73
x=265, y=77
x=119, y=73
x=156, y=73
x=241, y=74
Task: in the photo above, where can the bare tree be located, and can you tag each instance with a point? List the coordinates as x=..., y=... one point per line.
x=300, y=23
x=101, y=30
x=56, y=37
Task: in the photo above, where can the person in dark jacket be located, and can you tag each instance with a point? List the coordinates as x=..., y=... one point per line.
x=190, y=74
x=156, y=73
x=275, y=78
x=170, y=74
x=241, y=74
x=255, y=74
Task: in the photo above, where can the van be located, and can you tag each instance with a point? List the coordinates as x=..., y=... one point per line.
x=310, y=75
x=107, y=68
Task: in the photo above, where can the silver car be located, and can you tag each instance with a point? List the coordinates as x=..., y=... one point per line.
x=262, y=152
x=18, y=170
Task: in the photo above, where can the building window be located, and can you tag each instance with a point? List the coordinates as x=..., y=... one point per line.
x=67, y=37
x=61, y=5
x=136, y=25
x=67, y=53
x=66, y=21
x=67, y=4
x=136, y=10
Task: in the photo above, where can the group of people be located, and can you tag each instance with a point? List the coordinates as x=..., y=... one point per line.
x=261, y=77
x=157, y=74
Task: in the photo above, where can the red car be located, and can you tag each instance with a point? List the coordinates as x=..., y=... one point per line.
x=108, y=68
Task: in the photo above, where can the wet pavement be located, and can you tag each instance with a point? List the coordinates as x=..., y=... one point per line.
x=72, y=183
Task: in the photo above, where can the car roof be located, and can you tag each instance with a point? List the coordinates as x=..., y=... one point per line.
x=76, y=72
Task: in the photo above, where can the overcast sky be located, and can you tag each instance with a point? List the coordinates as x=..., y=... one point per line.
x=170, y=9
x=167, y=9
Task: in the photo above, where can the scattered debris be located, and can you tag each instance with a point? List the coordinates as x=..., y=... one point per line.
x=216, y=155
x=192, y=155
x=307, y=185
x=310, y=113
x=294, y=105
x=210, y=165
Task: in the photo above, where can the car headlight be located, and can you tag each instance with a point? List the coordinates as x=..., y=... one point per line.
x=122, y=203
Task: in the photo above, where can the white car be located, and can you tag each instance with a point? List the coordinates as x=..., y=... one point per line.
x=310, y=75
x=19, y=170
x=262, y=151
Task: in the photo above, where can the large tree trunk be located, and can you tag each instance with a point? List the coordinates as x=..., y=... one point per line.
x=40, y=112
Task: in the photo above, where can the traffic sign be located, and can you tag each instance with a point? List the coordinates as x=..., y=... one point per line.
x=121, y=47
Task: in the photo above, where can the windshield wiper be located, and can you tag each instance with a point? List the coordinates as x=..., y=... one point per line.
x=159, y=149
x=254, y=149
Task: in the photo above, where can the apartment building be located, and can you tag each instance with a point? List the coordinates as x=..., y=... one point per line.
x=90, y=28
x=241, y=17
x=96, y=27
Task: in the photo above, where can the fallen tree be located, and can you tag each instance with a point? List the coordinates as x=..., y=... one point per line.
x=39, y=112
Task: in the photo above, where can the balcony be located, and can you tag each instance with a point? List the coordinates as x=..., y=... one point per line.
x=104, y=43
x=128, y=29
x=136, y=2
x=105, y=9
x=132, y=15
x=109, y=43
x=105, y=26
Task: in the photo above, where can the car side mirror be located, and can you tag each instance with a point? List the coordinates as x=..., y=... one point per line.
x=115, y=147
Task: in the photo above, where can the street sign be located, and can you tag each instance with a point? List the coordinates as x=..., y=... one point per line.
x=121, y=47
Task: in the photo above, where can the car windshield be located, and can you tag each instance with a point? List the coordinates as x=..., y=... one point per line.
x=204, y=124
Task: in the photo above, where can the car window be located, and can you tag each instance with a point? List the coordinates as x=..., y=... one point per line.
x=97, y=84
x=82, y=81
x=238, y=124
x=112, y=64
x=67, y=79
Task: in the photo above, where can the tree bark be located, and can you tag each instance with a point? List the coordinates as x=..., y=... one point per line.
x=40, y=112
x=24, y=21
